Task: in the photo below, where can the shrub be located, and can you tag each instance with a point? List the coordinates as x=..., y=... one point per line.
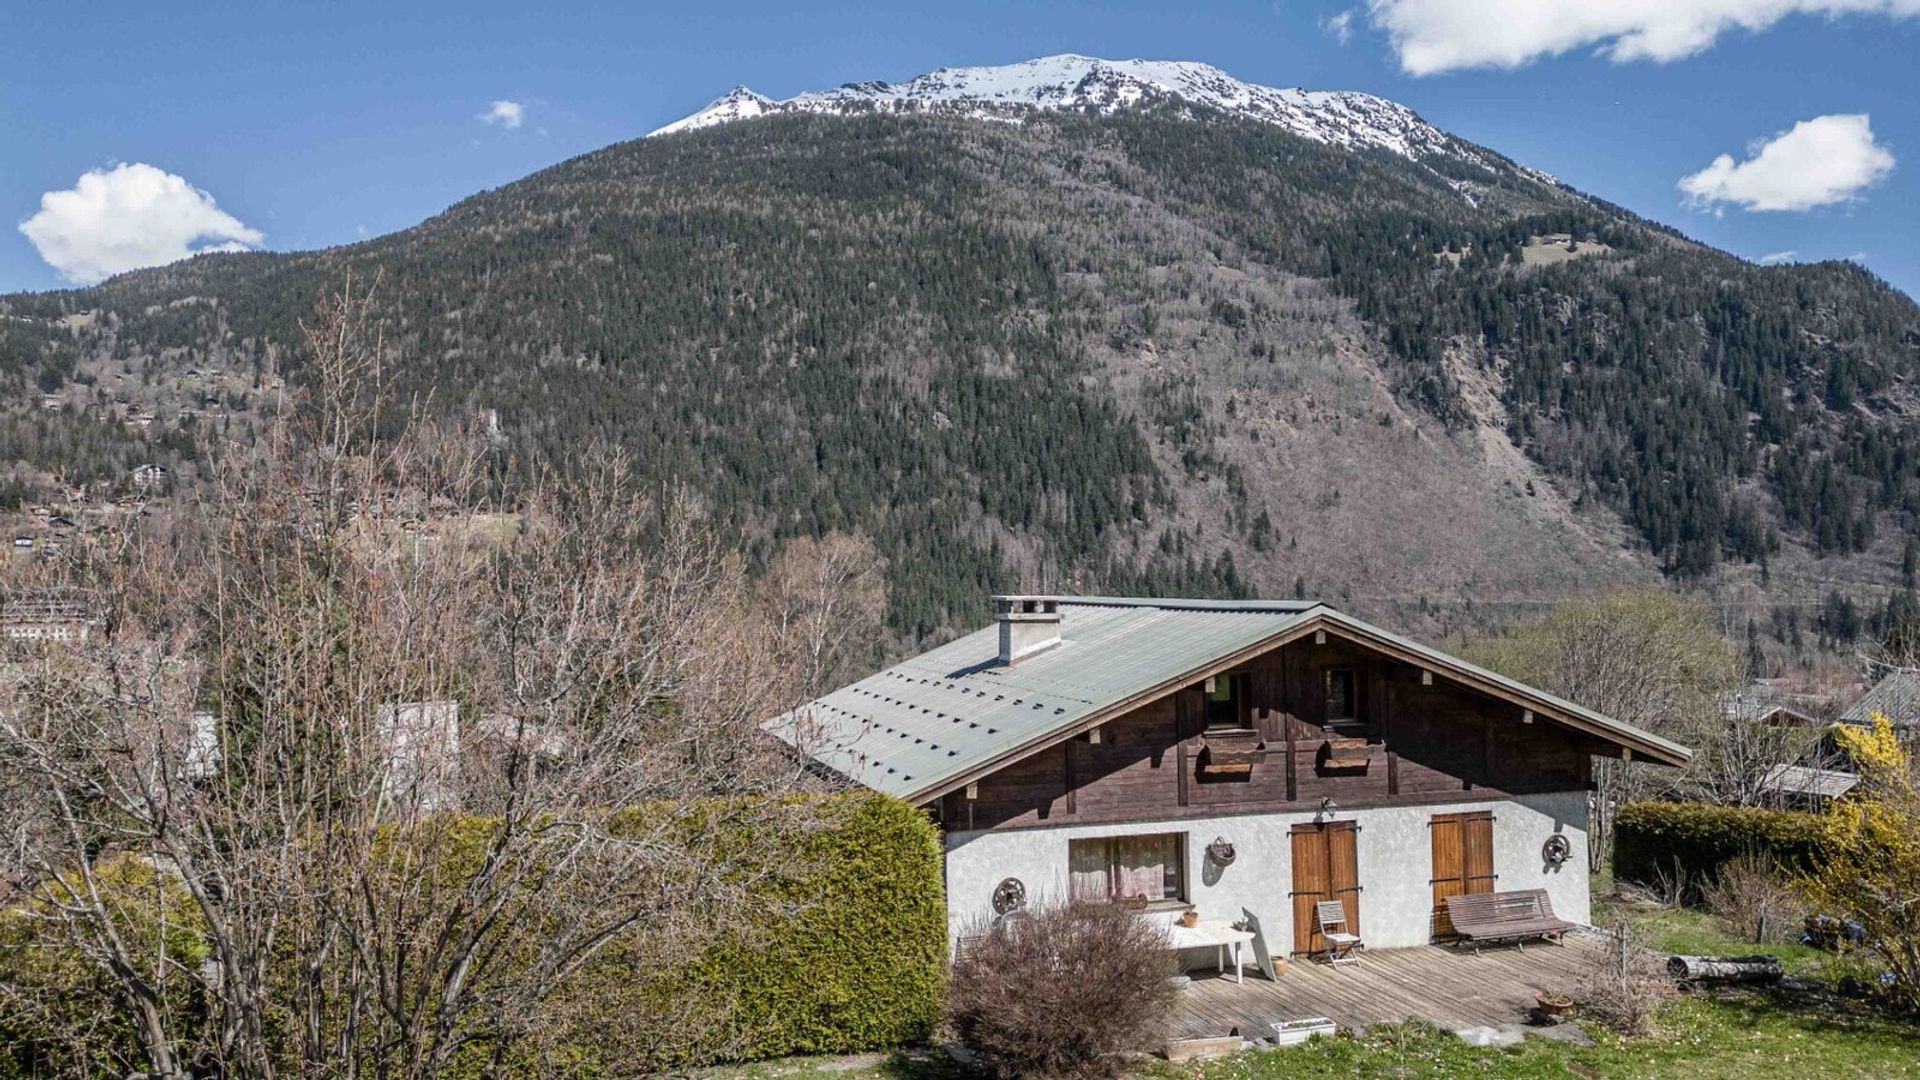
x=1062, y=991
x=1870, y=872
x=58, y=1013
x=1674, y=841
x=1624, y=985
x=1756, y=902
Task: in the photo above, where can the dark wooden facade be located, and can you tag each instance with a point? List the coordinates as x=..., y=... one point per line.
x=1416, y=738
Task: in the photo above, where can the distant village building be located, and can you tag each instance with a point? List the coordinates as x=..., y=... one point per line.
x=1806, y=787
x=57, y=617
x=421, y=740
x=1896, y=697
x=149, y=477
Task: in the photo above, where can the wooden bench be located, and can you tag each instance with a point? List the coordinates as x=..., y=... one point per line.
x=1505, y=916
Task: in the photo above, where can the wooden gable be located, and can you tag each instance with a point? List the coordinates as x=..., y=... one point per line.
x=1415, y=735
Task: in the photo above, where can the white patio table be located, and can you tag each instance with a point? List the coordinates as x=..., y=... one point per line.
x=1217, y=934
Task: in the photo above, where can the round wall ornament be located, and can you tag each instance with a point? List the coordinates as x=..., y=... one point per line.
x=1009, y=895
x=1556, y=850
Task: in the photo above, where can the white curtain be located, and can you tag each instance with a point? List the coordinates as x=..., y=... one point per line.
x=1088, y=859
x=1144, y=865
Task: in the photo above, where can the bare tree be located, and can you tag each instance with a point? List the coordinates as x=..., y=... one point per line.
x=374, y=735
x=823, y=601
x=1653, y=660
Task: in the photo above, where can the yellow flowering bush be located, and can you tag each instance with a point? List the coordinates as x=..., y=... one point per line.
x=1869, y=869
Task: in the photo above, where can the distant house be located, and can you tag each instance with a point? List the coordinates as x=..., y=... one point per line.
x=1805, y=787
x=1231, y=757
x=148, y=477
x=421, y=741
x=1896, y=696
x=1765, y=703
x=63, y=617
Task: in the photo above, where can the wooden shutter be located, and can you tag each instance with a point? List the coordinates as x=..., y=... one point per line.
x=1326, y=866
x=1312, y=883
x=1462, y=862
x=1344, y=857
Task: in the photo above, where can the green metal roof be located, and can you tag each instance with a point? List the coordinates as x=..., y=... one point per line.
x=915, y=729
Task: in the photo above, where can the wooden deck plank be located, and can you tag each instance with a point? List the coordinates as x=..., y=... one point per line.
x=1450, y=988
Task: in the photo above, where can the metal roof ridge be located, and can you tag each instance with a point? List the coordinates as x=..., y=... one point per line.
x=1177, y=603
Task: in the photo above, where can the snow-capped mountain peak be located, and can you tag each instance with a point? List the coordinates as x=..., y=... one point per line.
x=1086, y=83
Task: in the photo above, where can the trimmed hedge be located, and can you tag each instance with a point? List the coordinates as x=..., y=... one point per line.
x=849, y=954
x=1656, y=841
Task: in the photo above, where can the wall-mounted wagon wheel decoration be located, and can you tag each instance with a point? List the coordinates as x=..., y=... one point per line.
x=1009, y=895
x=1556, y=850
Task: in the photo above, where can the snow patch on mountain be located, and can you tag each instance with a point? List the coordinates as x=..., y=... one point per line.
x=1086, y=83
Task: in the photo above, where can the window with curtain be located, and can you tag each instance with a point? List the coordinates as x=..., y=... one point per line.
x=1151, y=868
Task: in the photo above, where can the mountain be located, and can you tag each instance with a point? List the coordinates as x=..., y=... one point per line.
x=1095, y=326
x=1091, y=85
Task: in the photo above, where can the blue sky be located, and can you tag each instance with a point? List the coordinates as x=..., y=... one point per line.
x=316, y=124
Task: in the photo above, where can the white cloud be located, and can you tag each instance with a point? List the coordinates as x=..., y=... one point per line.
x=1432, y=36
x=508, y=114
x=1340, y=26
x=1825, y=160
x=130, y=216
x=1775, y=258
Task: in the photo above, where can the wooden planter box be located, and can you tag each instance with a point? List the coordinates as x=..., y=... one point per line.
x=1231, y=753
x=1346, y=754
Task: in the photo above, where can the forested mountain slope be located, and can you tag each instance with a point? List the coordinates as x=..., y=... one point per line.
x=1160, y=349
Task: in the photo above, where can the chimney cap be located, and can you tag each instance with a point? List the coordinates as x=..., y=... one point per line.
x=1016, y=605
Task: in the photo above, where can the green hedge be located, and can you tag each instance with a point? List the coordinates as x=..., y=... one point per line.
x=1658, y=841
x=849, y=954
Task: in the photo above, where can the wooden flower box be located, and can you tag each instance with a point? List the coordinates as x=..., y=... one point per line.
x=1346, y=754
x=1231, y=753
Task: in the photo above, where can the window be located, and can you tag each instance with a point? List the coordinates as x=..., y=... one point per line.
x=1223, y=702
x=1150, y=868
x=1341, y=706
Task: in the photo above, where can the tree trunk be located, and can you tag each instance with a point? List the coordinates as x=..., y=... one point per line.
x=1725, y=969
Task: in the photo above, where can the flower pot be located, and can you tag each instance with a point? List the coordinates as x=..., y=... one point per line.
x=1191, y=918
x=1553, y=1003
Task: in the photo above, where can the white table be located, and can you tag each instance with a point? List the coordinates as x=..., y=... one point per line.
x=1211, y=933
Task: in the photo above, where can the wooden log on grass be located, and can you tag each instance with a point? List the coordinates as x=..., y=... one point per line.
x=1725, y=969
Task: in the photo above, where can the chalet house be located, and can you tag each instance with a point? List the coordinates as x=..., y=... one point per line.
x=1233, y=757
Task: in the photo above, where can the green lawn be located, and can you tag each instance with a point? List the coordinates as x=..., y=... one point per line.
x=1697, y=933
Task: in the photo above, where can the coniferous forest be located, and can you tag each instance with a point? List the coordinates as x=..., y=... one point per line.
x=976, y=343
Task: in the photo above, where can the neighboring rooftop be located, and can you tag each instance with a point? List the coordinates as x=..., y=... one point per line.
x=919, y=728
x=1807, y=782
x=1897, y=697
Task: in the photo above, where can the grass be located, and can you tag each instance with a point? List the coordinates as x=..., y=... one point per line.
x=1735, y=1038
x=1668, y=929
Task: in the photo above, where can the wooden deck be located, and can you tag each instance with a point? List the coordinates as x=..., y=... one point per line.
x=1453, y=989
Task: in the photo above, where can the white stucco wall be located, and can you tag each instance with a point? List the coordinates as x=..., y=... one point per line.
x=1394, y=848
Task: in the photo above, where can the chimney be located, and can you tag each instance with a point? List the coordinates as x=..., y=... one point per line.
x=1028, y=624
